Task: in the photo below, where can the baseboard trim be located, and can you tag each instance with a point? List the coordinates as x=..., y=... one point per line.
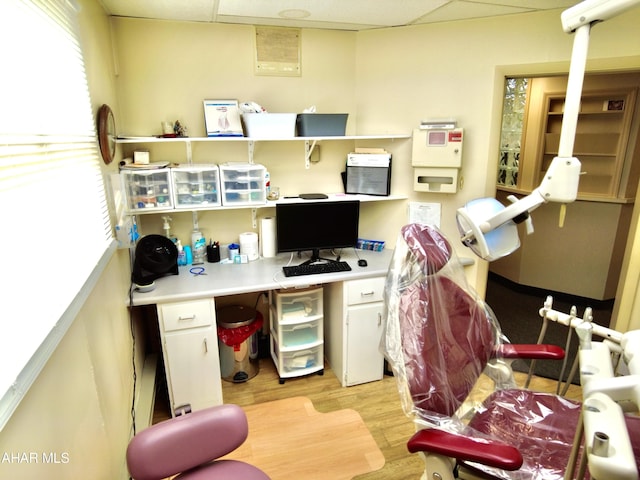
x=145, y=402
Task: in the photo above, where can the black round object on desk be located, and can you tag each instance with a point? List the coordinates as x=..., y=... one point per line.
x=155, y=257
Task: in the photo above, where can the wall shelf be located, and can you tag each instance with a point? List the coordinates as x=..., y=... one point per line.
x=133, y=139
x=309, y=142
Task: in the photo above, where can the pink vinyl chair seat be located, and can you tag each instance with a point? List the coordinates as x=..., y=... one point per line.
x=190, y=445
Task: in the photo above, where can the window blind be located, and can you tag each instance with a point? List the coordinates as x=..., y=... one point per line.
x=56, y=231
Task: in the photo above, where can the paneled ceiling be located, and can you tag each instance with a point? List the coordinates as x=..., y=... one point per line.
x=327, y=14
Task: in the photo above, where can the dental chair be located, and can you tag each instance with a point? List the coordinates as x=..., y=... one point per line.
x=191, y=445
x=439, y=339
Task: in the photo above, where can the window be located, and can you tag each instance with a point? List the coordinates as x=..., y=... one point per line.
x=56, y=233
x=513, y=118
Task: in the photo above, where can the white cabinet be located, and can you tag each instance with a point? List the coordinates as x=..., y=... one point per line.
x=353, y=328
x=297, y=339
x=190, y=349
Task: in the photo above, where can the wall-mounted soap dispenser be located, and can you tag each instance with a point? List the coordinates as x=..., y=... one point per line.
x=437, y=157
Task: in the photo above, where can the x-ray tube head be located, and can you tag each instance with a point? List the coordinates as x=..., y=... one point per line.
x=488, y=245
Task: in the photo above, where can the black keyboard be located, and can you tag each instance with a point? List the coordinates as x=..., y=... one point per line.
x=315, y=268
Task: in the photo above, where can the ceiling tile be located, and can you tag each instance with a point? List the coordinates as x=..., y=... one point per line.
x=364, y=12
x=191, y=10
x=460, y=10
x=335, y=14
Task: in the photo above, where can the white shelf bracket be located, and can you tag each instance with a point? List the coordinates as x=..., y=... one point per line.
x=254, y=217
x=251, y=147
x=308, y=151
x=189, y=152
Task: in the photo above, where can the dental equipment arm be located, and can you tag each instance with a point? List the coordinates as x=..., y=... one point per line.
x=606, y=431
x=606, y=434
x=479, y=219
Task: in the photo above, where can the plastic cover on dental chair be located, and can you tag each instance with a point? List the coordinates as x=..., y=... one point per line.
x=439, y=337
x=428, y=312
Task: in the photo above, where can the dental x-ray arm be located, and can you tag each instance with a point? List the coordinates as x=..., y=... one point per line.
x=560, y=182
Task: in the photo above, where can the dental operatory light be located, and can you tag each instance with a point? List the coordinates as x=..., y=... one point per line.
x=487, y=227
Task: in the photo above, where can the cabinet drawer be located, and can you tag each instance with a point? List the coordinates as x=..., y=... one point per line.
x=302, y=359
x=365, y=291
x=301, y=335
x=183, y=315
x=299, y=307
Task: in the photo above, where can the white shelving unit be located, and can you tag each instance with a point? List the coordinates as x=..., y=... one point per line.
x=309, y=142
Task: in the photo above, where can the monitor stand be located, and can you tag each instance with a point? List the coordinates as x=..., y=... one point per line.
x=316, y=258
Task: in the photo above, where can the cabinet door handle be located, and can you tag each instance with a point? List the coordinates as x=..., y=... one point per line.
x=206, y=347
x=192, y=317
x=379, y=319
x=367, y=294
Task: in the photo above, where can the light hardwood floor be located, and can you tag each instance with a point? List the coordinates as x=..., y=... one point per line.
x=377, y=402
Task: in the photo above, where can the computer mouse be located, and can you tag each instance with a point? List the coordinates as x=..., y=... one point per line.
x=362, y=262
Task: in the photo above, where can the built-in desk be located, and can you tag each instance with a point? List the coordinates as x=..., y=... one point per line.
x=260, y=275
x=185, y=305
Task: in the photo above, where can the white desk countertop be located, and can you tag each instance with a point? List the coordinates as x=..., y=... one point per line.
x=259, y=275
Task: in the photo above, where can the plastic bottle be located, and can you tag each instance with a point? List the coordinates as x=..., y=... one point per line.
x=188, y=255
x=166, y=227
x=267, y=183
x=198, y=247
x=182, y=256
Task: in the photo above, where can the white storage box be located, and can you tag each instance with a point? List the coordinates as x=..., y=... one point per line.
x=147, y=189
x=243, y=184
x=269, y=125
x=196, y=186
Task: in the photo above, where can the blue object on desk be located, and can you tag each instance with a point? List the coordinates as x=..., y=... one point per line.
x=197, y=271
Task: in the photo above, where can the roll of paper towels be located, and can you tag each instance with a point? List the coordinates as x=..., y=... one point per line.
x=249, y=245
x=268, y=236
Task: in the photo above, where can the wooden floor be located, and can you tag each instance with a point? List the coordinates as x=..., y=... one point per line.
x=378, y=404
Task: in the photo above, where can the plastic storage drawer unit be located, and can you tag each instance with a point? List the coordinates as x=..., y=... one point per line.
x=147, y=189
x=297, y=337
x=196, y=186
x=243, y=184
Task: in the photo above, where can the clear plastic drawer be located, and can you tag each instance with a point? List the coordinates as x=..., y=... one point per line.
x=243, y=184
x=301, y=335
x=301, y=360
x=196, y=186
x=147, y=189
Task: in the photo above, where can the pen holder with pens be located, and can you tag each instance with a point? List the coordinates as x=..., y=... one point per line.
x=213, y=253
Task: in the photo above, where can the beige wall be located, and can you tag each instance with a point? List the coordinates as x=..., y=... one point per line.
x=457, y=70
x=387, y=80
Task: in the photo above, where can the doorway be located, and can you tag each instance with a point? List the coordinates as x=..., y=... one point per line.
x=581, y=262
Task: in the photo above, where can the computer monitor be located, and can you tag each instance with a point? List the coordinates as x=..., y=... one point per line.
x=316, y=226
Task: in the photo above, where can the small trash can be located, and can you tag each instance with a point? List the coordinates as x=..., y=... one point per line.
x=238, y=329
